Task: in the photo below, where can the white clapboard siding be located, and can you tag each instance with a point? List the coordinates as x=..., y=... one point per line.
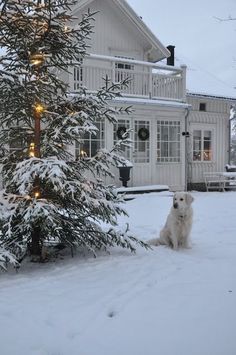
x=216, y=118
x=113, y=33
x=218, y=105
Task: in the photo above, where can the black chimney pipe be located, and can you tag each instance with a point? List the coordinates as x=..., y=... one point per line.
x=171, y=59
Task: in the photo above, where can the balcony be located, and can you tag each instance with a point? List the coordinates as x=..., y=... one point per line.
x=147, y=80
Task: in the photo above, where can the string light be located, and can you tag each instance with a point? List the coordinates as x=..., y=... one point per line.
x=39, y=108
x=36, y=194
x=83, y=154
x=32, y=150
x=37, y=59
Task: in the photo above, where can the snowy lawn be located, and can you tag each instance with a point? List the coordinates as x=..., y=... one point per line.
x=154, y=302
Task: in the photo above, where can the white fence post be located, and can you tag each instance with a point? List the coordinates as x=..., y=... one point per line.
x=150, y=88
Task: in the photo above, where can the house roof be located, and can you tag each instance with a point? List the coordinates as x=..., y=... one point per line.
x=157, y=50
x=211, y=96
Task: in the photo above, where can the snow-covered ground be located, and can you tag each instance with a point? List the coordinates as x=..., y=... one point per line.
x=154, y=302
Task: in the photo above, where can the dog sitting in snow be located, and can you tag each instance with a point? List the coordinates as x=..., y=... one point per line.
x=178, y=225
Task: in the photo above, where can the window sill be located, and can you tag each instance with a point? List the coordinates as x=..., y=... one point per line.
x=203, y=162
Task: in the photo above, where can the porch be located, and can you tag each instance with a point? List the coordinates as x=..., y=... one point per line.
x=147, y=80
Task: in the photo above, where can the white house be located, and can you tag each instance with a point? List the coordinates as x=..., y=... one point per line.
x=177, y=135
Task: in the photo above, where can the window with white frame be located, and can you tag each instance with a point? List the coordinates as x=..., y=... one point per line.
x=120, y=127
x=16, y=145
x=91, y=142
x=202, y=145
x=122, y=71
x=168, y=141
x=78, y=75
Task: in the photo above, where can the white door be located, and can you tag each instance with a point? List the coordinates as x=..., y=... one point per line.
x=141, y=159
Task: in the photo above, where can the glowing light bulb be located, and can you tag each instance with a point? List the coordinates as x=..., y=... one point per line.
x=83, y=154
x=39, y=108
x=37, y=59
x=32, y=150
x=36, y=194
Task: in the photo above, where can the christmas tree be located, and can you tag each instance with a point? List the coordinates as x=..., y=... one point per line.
x=48, y=195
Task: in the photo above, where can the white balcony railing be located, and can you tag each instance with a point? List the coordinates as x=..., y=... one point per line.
x=147, y=80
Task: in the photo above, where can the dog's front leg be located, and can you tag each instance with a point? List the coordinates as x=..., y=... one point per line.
x=174, y=241
x=186, y=243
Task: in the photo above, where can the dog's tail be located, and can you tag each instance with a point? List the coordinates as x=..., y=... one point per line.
x=155, y=242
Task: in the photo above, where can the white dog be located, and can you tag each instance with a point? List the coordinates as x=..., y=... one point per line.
x=178, y=225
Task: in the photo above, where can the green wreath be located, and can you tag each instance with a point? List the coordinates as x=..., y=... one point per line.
x=143, y=134
x=120, y=132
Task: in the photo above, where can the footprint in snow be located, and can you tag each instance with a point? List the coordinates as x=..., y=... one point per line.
x=111, y=314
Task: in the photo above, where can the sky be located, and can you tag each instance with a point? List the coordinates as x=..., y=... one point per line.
x=206, y=45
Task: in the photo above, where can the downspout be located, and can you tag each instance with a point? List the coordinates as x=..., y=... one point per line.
x=231, y=118
x=186, y=135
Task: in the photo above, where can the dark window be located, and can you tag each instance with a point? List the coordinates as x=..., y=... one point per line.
x=202, y=106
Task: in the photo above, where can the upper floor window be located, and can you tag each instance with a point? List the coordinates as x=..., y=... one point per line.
x=122, y=69
x=124, y=66
x=168, y=141
x=91, y=143
x=202, y=145
x=202, y=106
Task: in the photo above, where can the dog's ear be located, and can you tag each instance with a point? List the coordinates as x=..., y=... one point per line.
x=174, y=197
x=189, y=198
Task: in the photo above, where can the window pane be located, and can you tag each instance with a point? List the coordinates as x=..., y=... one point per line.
x=173, y=133
x=174, y=149
x=16, y=144
x=196, y=155
x=91, y=143
x=164, y=133
x=197, y=145
x=164, y=149
x=95, y=146
x=207, y=146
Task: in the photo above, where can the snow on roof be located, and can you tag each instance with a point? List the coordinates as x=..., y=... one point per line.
x=140, y=101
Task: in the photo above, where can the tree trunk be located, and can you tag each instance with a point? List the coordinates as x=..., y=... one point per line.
x=35, y=245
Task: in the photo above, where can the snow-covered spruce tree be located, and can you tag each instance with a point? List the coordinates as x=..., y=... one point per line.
x=47, y=194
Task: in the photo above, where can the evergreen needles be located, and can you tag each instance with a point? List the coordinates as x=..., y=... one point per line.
x=48, y=196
